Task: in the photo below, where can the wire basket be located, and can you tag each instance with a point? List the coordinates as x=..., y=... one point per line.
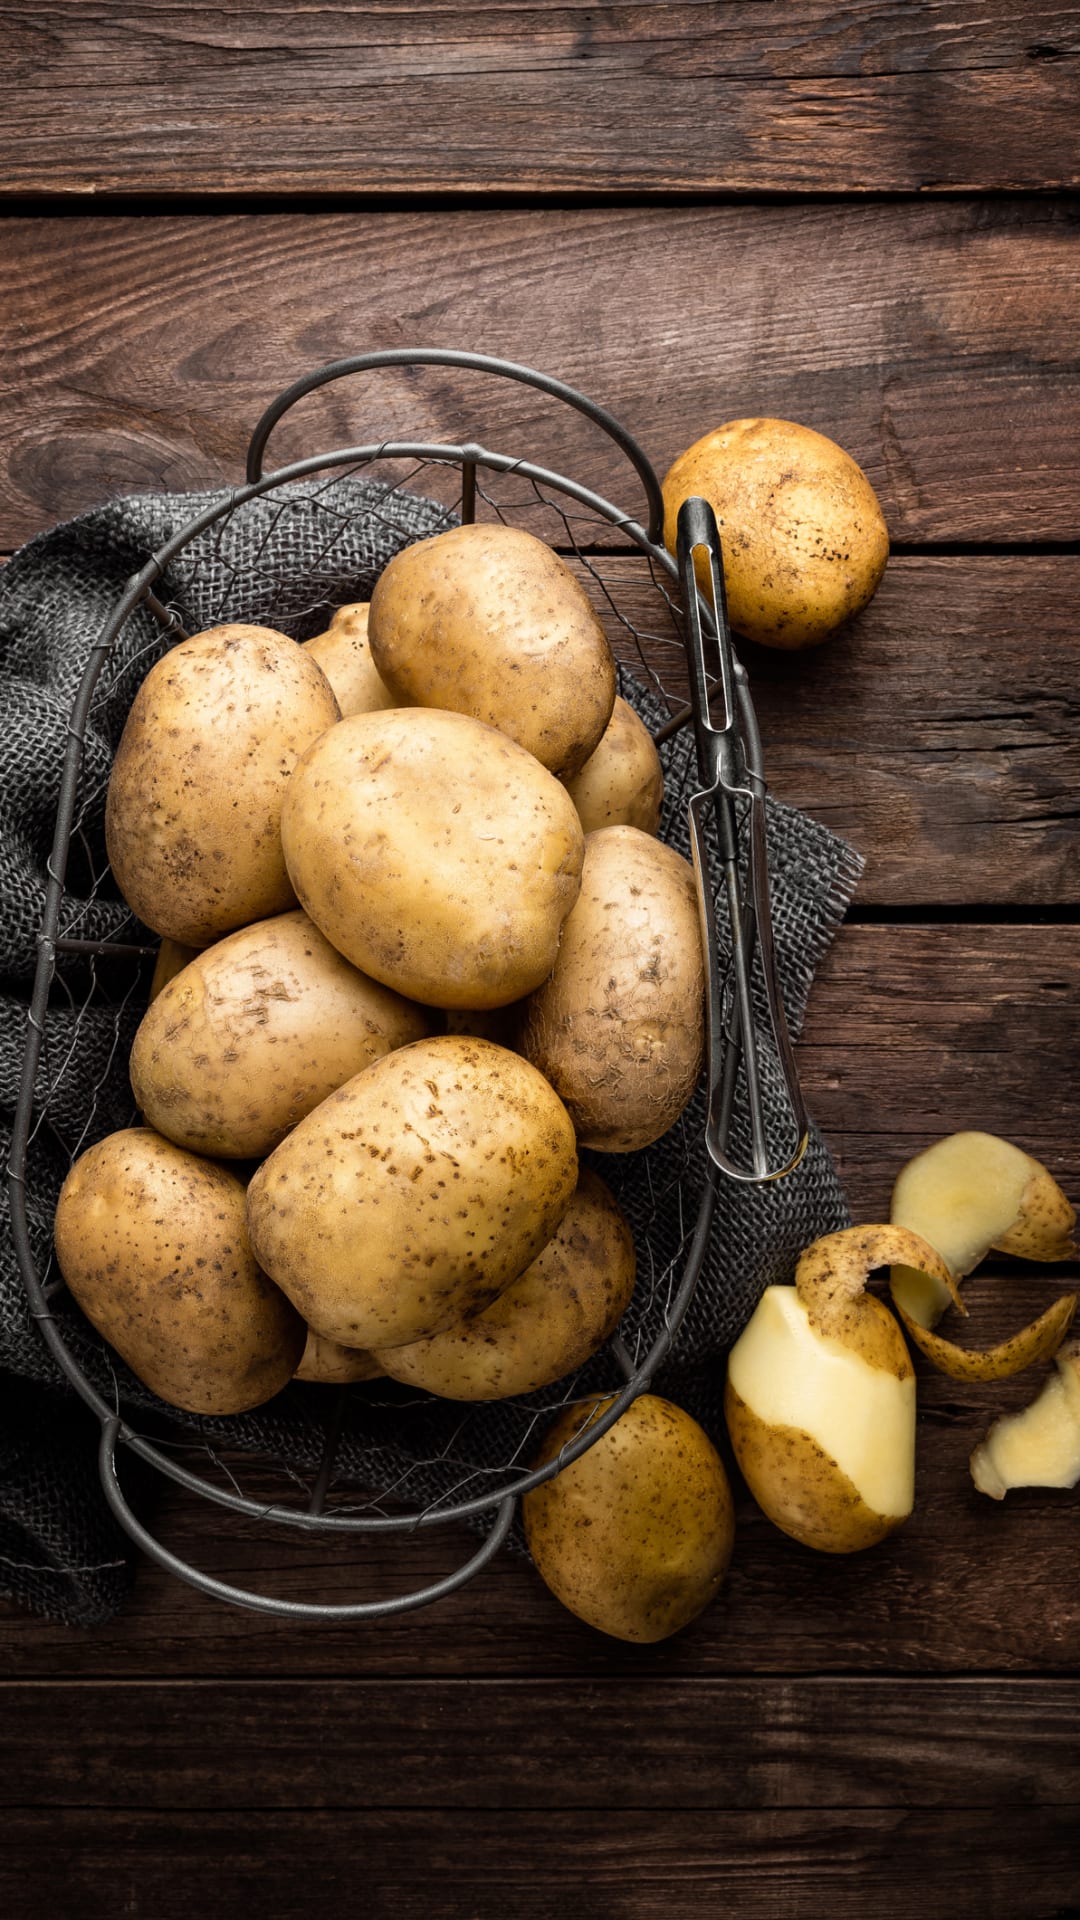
x=462, y=1463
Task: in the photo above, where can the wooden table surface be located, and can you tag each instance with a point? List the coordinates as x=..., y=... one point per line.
x=856, y=215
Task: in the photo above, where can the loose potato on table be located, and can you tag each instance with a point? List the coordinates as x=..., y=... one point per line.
x=489, y=621
x=435, y=853
x=804, y=538
x=618, y=1029
x=344, y=655
x=547, y=1322
x=635, y=1535
x=193, y=818
x=153, y=1244
x=254, y=1032
x=622, y=782
x=412, y=1196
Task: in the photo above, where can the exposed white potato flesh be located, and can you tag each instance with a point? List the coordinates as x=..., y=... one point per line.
x=1040, y=1445
x=860, y=1416
x=966, y=1194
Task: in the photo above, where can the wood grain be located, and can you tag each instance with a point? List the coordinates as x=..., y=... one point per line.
x=936, y=342
x=513, y=1744
x=939, y=732
x=1012, y=1864
x=917, y=1031
x=212, y=99
x=888, y=1734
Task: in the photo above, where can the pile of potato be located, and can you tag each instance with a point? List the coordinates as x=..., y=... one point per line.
x=419, y=943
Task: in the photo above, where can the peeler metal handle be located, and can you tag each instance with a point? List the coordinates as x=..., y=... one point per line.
x=732, y=798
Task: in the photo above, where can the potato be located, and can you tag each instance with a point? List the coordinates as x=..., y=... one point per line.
x=194, y=805
x=488, y=621
x=329, y=1365
x=820, y=1399
x=618, y=1029
x=412, y=1196
x=344, y=655
x=804, y=539
x=435, y=853
x=255, y=1032
x=621, y=783
x=547, y=1322
x=635, y=1536
x=153, y=1245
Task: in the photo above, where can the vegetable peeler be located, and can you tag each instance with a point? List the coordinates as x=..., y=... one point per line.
x=731, y=801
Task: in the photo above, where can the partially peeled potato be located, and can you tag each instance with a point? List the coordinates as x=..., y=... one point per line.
x=820, y=1399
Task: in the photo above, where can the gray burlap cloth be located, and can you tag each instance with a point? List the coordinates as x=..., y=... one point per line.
x=288, y=562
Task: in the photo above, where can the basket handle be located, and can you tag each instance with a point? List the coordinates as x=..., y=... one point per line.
x=474, y=363
x=111, y=1433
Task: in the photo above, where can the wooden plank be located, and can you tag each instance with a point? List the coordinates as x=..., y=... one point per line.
x=917, y=1031
x=870, y=95
x=1016, y=1864
x=935, y=341
x=512, y=1744
x=930, y=732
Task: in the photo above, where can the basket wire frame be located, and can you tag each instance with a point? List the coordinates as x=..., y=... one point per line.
x=80, y=971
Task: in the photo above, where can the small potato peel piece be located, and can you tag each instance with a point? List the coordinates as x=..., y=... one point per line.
x=1040, y=1445
x=1036, y=1342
